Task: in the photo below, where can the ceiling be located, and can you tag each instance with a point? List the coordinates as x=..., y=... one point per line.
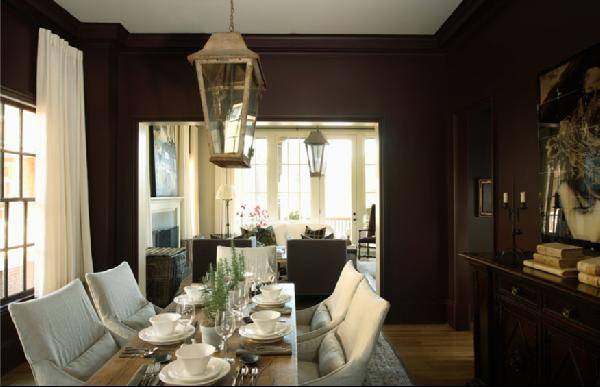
x=395, y=17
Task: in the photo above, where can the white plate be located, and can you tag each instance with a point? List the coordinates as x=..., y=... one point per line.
x=184, y=299
x=166, y=374
x=261, y=300
x=251, y=332
x=148, y=335
x=176, y=371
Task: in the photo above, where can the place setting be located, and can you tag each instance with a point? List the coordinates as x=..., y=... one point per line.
x=271, y=296
x=195, y=365
x=266, y=327
x=168, y=328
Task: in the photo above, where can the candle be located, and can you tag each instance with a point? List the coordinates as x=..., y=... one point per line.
x=523, y=197
x=505, y=198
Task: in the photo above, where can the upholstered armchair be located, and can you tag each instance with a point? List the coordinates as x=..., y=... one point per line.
x=119, y=302
x=62, y=337
x=340, y=357
x=323, y=317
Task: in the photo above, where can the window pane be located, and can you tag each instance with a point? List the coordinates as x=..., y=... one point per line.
x=370, y=198
x=260, y=151
x=30, y=273
x=33, y=223
x=338, y=180
x=370, y=178
x=11, y=175
x=2, y=217
x=12, y=133
x=15, y=271
x=30, y=134
x=294, y=155
x=261, y=178
x=370, y=151
x=28, y=176
x=15, y=224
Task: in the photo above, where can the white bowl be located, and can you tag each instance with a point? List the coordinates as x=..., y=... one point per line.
x=194, y=292
x=266, y=321
x=164, y=324
x=271, y=292
x=194, y=357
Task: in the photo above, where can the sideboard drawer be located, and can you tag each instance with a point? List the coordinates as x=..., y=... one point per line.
x=513, y=289
x=571, y=309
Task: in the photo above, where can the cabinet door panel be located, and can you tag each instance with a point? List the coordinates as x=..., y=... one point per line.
x=518, y=346
x=569, y=361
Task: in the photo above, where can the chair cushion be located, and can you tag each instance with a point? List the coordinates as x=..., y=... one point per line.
x=99, y=353
x=339, y=301
x=367, y=240
x=331, y=354
x=302, y=329
x=116, y=293
x=141, y=319
x=321, y=318
x=307, y=370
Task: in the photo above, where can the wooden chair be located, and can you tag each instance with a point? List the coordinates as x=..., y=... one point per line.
x=368, y=238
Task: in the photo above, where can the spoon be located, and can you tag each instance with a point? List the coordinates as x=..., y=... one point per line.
x=254, y=375
x=245, y=372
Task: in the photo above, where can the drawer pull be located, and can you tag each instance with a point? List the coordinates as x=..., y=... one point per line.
x=567, y=313
x=514, y=291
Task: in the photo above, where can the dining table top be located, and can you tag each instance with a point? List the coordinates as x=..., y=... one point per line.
x=279, y=370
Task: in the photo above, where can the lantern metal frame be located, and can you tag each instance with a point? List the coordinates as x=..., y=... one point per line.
x=315, y=138
x=229, y=48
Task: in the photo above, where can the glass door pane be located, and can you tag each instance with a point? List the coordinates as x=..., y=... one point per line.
x=339, y=186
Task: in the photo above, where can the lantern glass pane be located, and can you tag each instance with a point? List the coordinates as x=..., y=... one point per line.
x=224, y=88
x=253, y=97
x=315, y=157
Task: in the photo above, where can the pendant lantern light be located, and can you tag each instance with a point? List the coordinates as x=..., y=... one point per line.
x=231, y=82
x=315, y=150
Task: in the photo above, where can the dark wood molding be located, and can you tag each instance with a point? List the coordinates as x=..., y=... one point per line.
x=469, y=13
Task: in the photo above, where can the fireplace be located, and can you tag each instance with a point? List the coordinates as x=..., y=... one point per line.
x=165, y=221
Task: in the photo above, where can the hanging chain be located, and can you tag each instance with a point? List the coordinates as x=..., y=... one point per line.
x=231, y=16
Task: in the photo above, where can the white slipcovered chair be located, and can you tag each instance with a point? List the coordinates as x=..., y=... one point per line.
x=258, y=260
x=62, y=337
x=323, y=317
x=119, y=302
x=340, y=357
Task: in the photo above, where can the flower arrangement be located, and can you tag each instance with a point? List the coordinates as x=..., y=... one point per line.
x=257, y=217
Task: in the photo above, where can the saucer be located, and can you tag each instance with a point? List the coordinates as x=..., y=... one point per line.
x=261, y=300
x=167, y=374
x=251, y=332
x=185, y=299
x=148, y=335
x=212, y=370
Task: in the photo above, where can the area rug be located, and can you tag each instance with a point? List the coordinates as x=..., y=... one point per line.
x=386, y=367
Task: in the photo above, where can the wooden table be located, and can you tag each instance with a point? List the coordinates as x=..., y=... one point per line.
x=276, y=370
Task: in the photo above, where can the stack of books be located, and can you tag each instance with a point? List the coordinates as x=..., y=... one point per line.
x=589, y=271
x=556, y=258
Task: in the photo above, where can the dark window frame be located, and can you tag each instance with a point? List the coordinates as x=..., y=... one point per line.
x=25, y=293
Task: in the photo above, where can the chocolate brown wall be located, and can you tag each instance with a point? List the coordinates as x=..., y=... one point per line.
x=499, y=58
x=404, y=92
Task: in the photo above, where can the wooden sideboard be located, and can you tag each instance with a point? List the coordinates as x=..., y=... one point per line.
x=532, y=328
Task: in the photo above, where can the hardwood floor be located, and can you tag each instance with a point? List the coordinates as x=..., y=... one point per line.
x=432, y=354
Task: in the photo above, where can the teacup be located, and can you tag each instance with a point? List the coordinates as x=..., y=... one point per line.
x=194, y=292
x=164, y=324
x=194, y=357
x=265, y=321
x=271, y=292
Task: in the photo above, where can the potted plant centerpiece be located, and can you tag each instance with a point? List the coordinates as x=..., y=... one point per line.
x=236, y=271
x=216, y=300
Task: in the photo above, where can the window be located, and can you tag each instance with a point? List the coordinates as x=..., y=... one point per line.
x=371, y=181
x=293, y=193
x=17, y=201
x=252, y=182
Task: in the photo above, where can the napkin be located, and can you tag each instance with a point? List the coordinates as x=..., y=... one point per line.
x=269, y=349
x=285, y=311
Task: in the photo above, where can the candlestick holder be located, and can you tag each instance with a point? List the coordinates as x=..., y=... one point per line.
x=514, y=211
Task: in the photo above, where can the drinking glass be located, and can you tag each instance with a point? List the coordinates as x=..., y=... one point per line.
x=224, y=326
x=236, y=299
x=187, y=312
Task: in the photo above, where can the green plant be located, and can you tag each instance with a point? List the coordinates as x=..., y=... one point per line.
x=294, y=215
x=237, y=266
x=216, y=300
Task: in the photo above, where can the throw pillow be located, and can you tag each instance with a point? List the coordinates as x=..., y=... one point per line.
x=330, y=236
x=246, y=234
x=315, y=234
x=331, y=354
x=265, y=236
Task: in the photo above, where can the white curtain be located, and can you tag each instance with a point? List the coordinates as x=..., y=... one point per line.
x=188, y=183
x=61, y=170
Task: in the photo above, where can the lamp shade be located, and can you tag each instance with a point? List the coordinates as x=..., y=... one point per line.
x=226, y=192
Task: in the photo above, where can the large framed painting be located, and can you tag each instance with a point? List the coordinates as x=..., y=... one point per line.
x=569, y=140
x=163, y=160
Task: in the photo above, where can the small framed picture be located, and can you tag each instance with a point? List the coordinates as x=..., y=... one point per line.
x=485, y=207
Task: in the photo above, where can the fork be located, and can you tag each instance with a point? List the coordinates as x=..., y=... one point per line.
x=151, y=371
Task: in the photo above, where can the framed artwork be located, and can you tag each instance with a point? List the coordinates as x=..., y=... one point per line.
x=569, y=141
x=163, y=161
x=485, y=198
